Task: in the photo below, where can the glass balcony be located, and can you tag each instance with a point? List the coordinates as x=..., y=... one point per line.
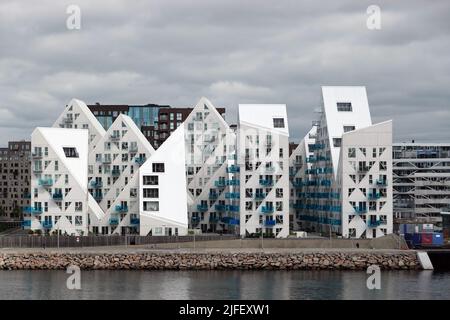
x=360, y=210
x=121, y=208
x=374, y=196
x=232, y=182
x=381, y=183
x=105, y=160
x=68, y=120
x=46, y=182
x=32, y=210
x=265, y=209
x=202, y=207
x=133, y=148
x=26, y=224
x=260, y=196
x=26, y=195
x=98, y=196
x=219, y=207
x=96, y=184
x=219, y=183
x=266, y=183
x=47, y=224
x=213, y=196
x=57, y=196
x=140, y=160
x=233, y=169
x=232, y=195
x=195, y=219
x=134, y=221
x=232, y=208
x=375, y=223
x=114, y=221
x=115, y=172
x=36, y=155
x=270, y=223
x=37, y=169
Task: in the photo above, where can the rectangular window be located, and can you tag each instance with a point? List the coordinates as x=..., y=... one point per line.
x=337, y=142
x=150, y=180
x=278, y=122
x=151, y=193
x=351, y=152
x=344, y=107
x=349, y=128
x=151, y=206
x=70, y=152
x=158, y=167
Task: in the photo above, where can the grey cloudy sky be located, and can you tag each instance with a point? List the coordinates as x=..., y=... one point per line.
x=174, y=52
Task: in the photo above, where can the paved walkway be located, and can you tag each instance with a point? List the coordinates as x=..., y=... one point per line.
x=149, y=249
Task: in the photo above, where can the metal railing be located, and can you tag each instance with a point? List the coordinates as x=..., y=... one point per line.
x=54, y=241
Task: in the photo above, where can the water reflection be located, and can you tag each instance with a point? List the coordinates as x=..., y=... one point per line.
x=198, y=285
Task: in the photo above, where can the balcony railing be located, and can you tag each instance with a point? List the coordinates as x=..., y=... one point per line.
x=374, y=196
x=232, y=208
x=232, y=182
x=265, y=182
x=115, y=172
x=32, y=210
x=375, y=223
x=202, y=207
x=114, y=221
x=232, y=195
x=45, y=182
x=266, y=209
x=36, y=155
x=213, y=219
x=68, y=120
x=219, y=207
x=134, y=221
x=96, y=184
x=57, y=196
x=232, y=169
x=140, y=160
x=213, y=196
x=98, y=196
x=381, y=183
x=47, y=224
x=26, y=224
x=360, y=210
x=269, y=223
x=121, y=208
x=259, y=196
x=220, y=183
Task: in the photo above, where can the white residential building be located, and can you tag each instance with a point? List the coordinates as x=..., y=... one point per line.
x=162, y=192
x=350, y=192
x=59, y=181
x=113, y=177
x=211, y=169
x=300, y=165
x=263, y=157
x=421, y=173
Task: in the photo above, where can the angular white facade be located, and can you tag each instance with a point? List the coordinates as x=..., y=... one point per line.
x=59, y=181
x=263, y=157
x=211, y=170
x=113, y=177
x=349, y=191
x=299, y=171
x=162, y=180
x=211, y=178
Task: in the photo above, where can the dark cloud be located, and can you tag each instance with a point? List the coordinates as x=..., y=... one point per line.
x=174, y=52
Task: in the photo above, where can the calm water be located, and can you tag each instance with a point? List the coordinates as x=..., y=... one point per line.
x=224, y=285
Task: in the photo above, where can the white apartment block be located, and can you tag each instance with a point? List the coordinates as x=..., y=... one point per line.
x=162, y=192
x=59, y=181
x=421, y=173
x=113, y=173
x=300, y=165
x=350, y=189
x=263, y=157
x=208, y=177
x=211, y=171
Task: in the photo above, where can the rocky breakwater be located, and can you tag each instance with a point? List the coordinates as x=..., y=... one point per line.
x=209, y=261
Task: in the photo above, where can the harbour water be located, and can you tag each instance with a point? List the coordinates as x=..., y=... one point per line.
x=292, y=285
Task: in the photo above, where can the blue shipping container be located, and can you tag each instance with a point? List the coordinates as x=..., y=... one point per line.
x=438, y=239
x=417, y=239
